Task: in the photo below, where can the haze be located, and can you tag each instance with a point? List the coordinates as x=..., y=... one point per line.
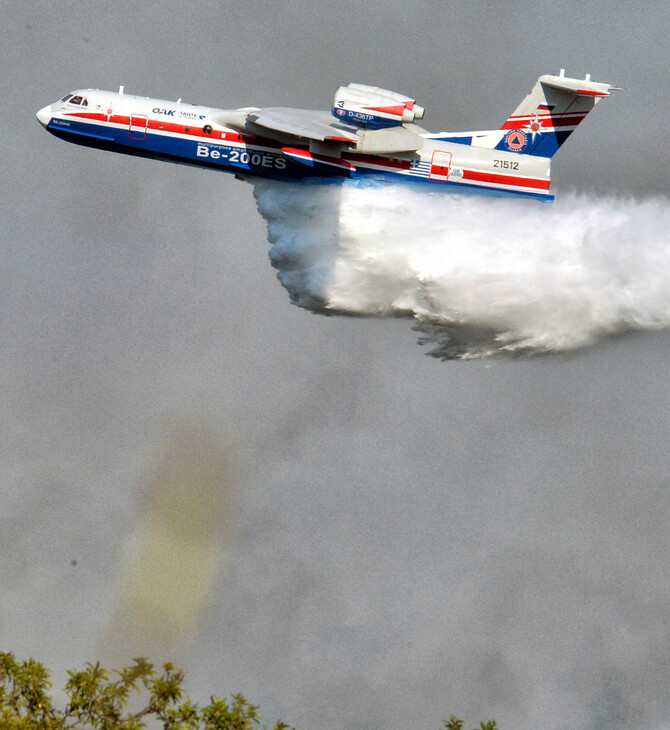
x=381, y=538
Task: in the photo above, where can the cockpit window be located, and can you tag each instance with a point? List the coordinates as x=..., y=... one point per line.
x=76, y=100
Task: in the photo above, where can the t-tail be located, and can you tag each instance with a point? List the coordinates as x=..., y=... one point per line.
x=546, y=117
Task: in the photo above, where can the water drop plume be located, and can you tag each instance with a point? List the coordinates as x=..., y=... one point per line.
x=480, y=276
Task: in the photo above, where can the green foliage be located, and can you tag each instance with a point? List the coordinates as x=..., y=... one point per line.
x=98, y=700
x=453, y=723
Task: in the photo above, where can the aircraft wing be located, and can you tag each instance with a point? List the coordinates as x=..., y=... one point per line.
x=319, y=126
x=295, y=127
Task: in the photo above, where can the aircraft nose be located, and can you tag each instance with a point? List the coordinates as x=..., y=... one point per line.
x=44, y=115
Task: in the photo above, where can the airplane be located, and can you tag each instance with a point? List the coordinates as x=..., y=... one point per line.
x=370, y=133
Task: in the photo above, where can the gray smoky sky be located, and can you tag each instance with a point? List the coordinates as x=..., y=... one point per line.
x=396, y=538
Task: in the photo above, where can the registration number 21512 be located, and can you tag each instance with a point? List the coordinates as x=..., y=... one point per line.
x=506, y=164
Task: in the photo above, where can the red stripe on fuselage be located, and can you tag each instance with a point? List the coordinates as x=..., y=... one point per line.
x=159, y=125
x=347, y=162
x=488, y=177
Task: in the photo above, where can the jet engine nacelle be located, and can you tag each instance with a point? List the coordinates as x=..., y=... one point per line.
x=374, y=108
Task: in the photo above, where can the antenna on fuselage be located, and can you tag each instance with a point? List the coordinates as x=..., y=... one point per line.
x=120, y=90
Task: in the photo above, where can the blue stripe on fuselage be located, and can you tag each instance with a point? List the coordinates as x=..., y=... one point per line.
x=214, y=154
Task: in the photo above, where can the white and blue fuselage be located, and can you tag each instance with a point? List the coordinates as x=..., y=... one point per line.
x=370, y=133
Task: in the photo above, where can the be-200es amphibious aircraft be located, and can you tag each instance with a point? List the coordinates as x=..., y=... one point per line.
x=370, y=133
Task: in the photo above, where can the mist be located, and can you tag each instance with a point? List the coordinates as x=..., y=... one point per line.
x=480, y=276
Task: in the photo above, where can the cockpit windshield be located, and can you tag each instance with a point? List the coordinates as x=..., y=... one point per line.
x=72, y=99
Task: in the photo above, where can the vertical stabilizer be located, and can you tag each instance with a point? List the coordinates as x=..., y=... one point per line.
x=549, y=114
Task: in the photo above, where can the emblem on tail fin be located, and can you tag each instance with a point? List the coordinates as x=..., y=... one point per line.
x=515, y=141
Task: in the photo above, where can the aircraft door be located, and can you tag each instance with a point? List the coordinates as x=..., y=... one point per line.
x=138, y=126
x=439, y=166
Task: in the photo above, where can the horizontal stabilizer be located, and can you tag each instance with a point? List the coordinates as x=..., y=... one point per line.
x=580, y=87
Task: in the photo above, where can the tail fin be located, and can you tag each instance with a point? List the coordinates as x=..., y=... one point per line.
x=549, y=114
x=544, y=119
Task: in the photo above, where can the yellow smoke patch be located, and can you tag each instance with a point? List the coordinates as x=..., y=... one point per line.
x=173, y=558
